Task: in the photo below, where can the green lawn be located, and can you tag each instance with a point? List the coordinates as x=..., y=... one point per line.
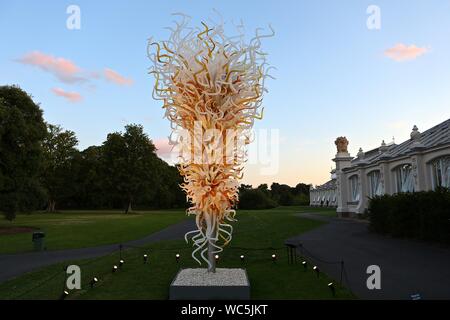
x=328, y=212
x=78, y=229
x=254, y=233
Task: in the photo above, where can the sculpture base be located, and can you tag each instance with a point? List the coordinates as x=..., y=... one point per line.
x=199, y=284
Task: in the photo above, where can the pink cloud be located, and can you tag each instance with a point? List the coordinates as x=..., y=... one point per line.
x=71, y=96
x=64, y=69
x=117, y=78
x=401, y=52
x=163, y=149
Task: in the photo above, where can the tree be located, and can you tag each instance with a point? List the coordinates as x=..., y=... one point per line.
x=22, y=130
x=88, y=180
x=302, y=188
x=59, y=152
x=255, y=199
x=130, y=165
x=169, y=193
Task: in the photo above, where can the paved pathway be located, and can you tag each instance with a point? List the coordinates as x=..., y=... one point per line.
x=407, y=267
x=13, y=265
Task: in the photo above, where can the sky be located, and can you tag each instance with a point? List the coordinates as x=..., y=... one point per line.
x=335, y=76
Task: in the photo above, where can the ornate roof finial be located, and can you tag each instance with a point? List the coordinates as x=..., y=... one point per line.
x=415, y=134
x=341, y=144
x=383, y=146
x=360, y=153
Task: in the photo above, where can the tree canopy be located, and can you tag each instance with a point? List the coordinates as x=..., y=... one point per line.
x=22, y=130
x=42, y=168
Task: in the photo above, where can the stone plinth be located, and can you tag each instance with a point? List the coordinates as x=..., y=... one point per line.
x=199, y=284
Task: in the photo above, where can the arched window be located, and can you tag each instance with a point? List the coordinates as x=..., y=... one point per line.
x=354, y=188
x=405, y=178
x=441, y=172
x=375, y=185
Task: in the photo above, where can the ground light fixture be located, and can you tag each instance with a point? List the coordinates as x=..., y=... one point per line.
x=274, y=257
x=242, y=257
x=216, y=257
x=316, y=269
x=145, y=258
x=94, y=281
x=305, y=265
x=64, y=294
x=177, y=257
x=121, y=262
x=332, y=288
x=114, y=268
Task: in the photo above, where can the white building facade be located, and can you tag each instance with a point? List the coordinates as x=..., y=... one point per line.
x=418, y=164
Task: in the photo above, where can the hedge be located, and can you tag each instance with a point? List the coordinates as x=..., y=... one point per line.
x=419, y=215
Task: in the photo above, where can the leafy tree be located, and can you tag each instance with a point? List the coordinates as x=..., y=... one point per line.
x=59, y=151
x=169, y=193
x=302, y=188
x=22, y=130
x=130, y=162
x=89, y=180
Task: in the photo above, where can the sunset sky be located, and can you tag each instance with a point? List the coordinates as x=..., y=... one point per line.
x=334, y=76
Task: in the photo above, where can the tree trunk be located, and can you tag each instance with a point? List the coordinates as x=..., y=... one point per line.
x=128, y=209
x=51, y=206
x=211, y=258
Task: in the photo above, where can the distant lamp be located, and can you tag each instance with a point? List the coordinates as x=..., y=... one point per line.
x=94, y=281
x=64, y=294
x=316, y=269
x=332, y=288
x=216, y=257
x=274, y=257
x=114, y=268
x=242, y=257
x=145, y=258
x=305, y=265
x=121, y=262
x=177, y=257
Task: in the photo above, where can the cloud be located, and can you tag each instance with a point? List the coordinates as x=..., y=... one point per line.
x=401, y=52
x=70, y=96
x=63, y=69
x=116, y=78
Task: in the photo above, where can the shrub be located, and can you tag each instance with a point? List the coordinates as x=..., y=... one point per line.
x=255, y=199
x=419, y=215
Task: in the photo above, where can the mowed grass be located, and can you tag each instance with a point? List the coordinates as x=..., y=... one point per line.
x=257, y=235
x=323, y=211
x=78, y=229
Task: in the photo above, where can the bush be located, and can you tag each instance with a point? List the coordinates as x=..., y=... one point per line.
x=255, y=199
x=419, y=215
x=301, y=200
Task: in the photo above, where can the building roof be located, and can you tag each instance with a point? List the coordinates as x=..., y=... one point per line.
x=434, y=137
x=327, y=185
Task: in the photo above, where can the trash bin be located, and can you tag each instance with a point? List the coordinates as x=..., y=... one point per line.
x=38, y=240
